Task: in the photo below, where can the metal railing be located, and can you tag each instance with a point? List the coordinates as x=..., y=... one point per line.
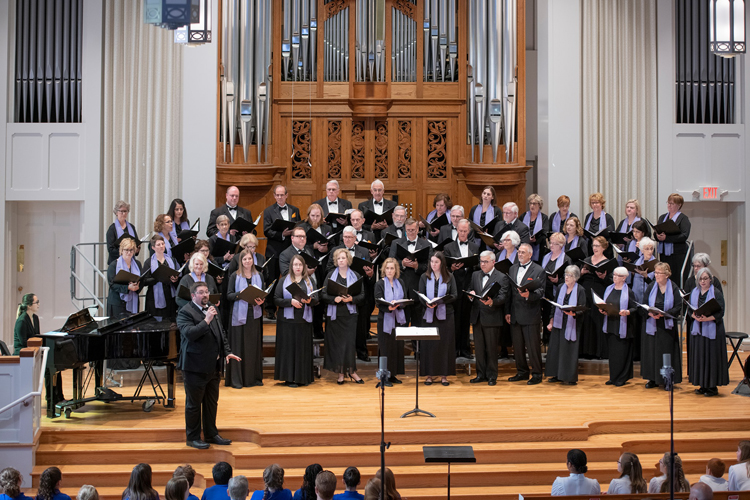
x=98, y=287
x=25, y=400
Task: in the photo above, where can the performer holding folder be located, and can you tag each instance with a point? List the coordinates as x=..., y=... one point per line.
x=618, y=307
x=162, y=282
x=390, y=295
x=124, y=275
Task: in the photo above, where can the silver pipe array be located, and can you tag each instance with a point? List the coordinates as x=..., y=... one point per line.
x=245, y=78
x=336, y=41
x=440, y=41
x=298, y=44
x=491, y=76
x=370, y=47
x=48, y=53
x=403, y=47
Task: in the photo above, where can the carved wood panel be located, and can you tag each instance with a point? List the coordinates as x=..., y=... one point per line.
x=381, y=149
x=358, y=149
x=404, y=149
x=436, y=149
x=334, y=149
x=407, y=7
x=301, y=144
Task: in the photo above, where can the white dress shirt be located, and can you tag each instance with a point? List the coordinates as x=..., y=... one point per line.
x=575, y=484
x=715, y=483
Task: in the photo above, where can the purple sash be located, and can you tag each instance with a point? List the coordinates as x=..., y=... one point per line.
x=184, y=225
x=167, y=245
x=632, y=246
x=668, y=304
x=558, y=262
x=668, y=248
x=120, y=231
x=512, y=258
x=196, y=280
x=130, y=297
x=623, y=305
x=570, y=327
x=639, y=283
x=173, y=233
x=350, y=278
x=624, y=227
x=490, y=214
x=602, y=220
x=707, y=328
x=159, y=300
x=429, y=314
x=538, y=226
x=307, y=314
x=573, y=244
x=557, y=223
x=431, y=216
x=239, y=311
x=393, y=292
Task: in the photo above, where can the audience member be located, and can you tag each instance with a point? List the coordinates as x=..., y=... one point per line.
x=49, y=485
x=325, y=485
x=273, y=478
x=372, y=489
x=87, y=492
x=680, y=483
x=178, y=488
x=238, y=489
x=631, y=476
x=307, y=490
x=189, y=473
x=701, y=491
x=222, y=473
x=10, y=483
x=351, y=480
x=139, y=486
x=576, y=483
x=714, y=475
x=739, y=474
x=390, y=485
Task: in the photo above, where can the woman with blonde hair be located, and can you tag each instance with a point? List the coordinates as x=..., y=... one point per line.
x=631, y=476
x=389, y=289
x=536, y=221
x=123, y=297
x=632, y=215
x=198, y=266
x=118, y=229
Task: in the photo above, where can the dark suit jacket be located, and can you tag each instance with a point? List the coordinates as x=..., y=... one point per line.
x=517, y=226
x=286, y=257
x=446, y=233
x=410, y=276
x=25, y=329
x=366, y=206
x=224, y=210
x=523, y=311
x=463, y=275
x=360, y=252
x=394, y=231
x=203, y=345
x=344, y=205
x=276, y=242
x=489, y=316
x=368, y=236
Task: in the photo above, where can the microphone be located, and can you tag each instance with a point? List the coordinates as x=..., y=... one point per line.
x=667, y=362
x=383, y=374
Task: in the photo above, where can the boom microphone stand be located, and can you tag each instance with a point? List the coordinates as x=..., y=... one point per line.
x=383, y=375
x=667, y=372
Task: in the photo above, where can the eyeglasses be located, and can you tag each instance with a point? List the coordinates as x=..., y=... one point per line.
x=123, y=211
x=299, y=235
x=660, y=272
x=36, y=302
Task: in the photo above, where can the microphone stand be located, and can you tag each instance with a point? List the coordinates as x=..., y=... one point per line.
x=383, y=375
x=667, y=372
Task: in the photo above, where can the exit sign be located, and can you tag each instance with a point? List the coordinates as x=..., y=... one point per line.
x=710, y=193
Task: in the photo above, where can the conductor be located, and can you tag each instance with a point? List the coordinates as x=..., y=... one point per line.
x=204, y=343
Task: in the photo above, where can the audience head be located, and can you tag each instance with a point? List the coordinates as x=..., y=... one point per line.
x=701, y=491
x=743, y=453
x=372, y=489
x=716, y=467
x=390, y=484
x=630, y=466
x=49, y=483
x=139, y=486
x=273, y=477
x=222, y=473
x=577, y=459
x=325, y=485
x=10, y=482
x=237, y=488
x=680, y=483
x=187, y=471
x=308, y=480
x=177, y=488
x=88, y=492
x=351, y=477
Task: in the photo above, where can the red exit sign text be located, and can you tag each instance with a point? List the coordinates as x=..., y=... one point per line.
x=710, y=193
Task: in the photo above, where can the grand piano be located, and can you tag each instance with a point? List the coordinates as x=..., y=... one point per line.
x=82, y=340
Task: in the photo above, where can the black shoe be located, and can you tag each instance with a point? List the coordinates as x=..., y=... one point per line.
x=477, y=380
x=271, y=315
x=291, y=384
x=553, y=380
x=465, y=354
x=445, y=383
x=360, y=381
x=394, y=380
x=517, y=378
x=340, y=382
x=713, y=391
x=428, y=382
x=569, y=383
x=258, y=383
x=609, y=382
x=619, y=384
x=219, y=440
x=536, y=379
x=387, y=383
x=492, y=381
x=702, y=390
x=650, y=384
x=503, y=354
x=363, y=357
x=201, y=445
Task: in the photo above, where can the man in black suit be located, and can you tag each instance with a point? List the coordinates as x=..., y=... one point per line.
x=349, y=242
x=411, y=269
x=450, y=231
x=487, y=316
x=377, y=205
x=397, y=228
x=332, y=203
x=204, y=344
x=278, y=241
x=511, y=222
x=524, y=313
x=357, y=220
x=462, y=247
x=298, y=247
x=231, y=210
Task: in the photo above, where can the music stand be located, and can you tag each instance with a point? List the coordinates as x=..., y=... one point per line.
x=448, y=454
x=417, y=334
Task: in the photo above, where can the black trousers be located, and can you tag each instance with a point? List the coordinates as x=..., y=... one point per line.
x=486, y=339
x=201, y=400
x=526, y=338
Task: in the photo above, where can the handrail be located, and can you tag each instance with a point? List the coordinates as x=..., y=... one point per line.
x=685, y=262
x=38, y=392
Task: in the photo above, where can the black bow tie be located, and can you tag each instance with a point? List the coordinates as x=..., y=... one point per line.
x=359, y=232
x=377, y=203
x=463, y=242
x=333, y=202
x=231, y=208
x=524, y=266
x=487, y=275
x=282, y=208
x=204, y=309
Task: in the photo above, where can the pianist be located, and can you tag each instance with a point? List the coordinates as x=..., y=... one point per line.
x=204, y=343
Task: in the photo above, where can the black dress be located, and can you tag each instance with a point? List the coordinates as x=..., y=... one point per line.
x=115, y=305
x=113, y=249
x=562, y=355
x=341, y=333
x=246, y=342
x=294, y=342
x=593, y=342
x=387, y=344
x=620, y=350
x=319, y=311
x=550, y=292
x=663, y=341
x=708, y=358
x=438, y=357
x=170, y=310
x=689, y=285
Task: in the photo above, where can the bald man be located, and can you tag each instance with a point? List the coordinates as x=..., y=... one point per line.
x=701, y=491
x=231, y=209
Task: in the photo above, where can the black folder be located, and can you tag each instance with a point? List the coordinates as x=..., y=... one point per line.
x=619, y=238
x=335, y=289
x=566, y=308
x=559, y=272
x=604, y=266
x=252, y=292
x=124, y=277
x=602, y=232
x=468, y=262
x=503, y=266
x=369, y=245
x=435, y=224
x=192, y=232
x=221, y=246
x=646, y=266
x=576, y=254
x=186, y=246
x=710, y=308
x=282, y=225
x=420, y=255
x=401, y=303
x=163, y=274
x=529, y=285
x=611, y=310
x=490, y=292
x=359, y=264
x=667, y=227
x=300, y=292
x=215, y=271
x=489, y=226
x=372, y=217
x=243, y=225
x=332, y=216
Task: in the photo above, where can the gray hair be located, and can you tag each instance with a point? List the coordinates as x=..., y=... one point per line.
x=463, y=221
x=701, y=271
x=487, y=253
x=512, y=205
x=376, y=182
x=527, y=246
x=458, y=208
x=514, y=238
x=333, y=181
x=120, y=205
x=702, y=258
x=350, y=229
x=87, y=492
x=647, y=242
x=573, y=272
x=399, y=207
x=198, y=256
x=238, y=488
x=620, y=271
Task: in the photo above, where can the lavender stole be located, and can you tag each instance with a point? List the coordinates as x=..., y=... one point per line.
x=167, y=244
x=393, y=292
x=173, y=233
x=130, y=297
x=625, y=227
x=537, y=227
x=159, y=300
x=557, y=222
x=573, y=244
x=239, y=311
x=119, y=231
x=639, y=284
x=489, y=215
x=307, y=314
x=707, y=328
x=350, y=278
x=668, y=304
x=623, y=305
x=184, y=225
x=570, y=327
x=502, y=255
x=432, y=216
x=429, y=314
x=664, y=247
x=632, y=246
x=602, y=220
x=558, y=262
